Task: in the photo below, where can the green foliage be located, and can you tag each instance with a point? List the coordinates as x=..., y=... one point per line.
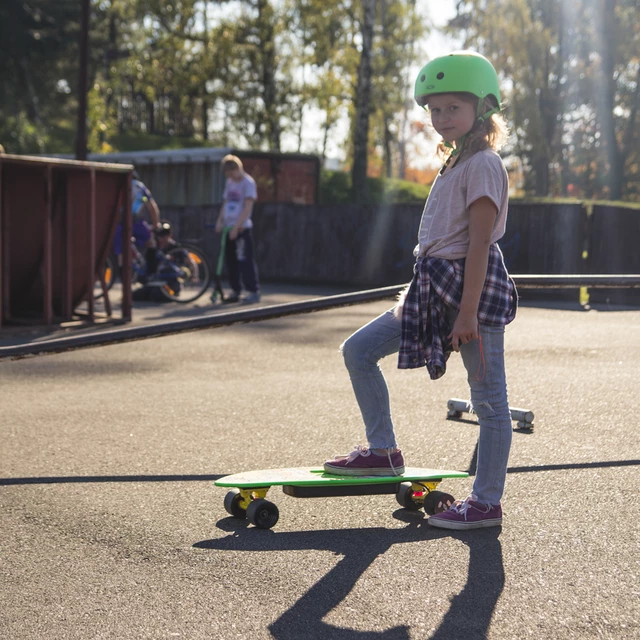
x=335, y=188
x=572, y=79
x=136, y=141
x=248, y=73
x=400, y=27
x=38, y=44
x=18, y=134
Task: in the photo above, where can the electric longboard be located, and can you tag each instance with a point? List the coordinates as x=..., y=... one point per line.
x=415, y=489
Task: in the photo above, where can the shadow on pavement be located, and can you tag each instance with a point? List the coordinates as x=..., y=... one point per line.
x=473, y=465
x=213, y=477
x=138, y=478
x=469, y=614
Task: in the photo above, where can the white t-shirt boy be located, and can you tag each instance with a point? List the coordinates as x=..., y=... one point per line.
x=234, y=196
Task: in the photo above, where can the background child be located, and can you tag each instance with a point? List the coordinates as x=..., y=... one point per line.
x=239, y=195
x=460, y=297
x=146, y=216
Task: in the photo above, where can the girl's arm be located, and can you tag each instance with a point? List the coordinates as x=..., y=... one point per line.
x=481, y=220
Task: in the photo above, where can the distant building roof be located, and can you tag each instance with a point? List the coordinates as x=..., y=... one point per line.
x=179, y=156
x=164, y=156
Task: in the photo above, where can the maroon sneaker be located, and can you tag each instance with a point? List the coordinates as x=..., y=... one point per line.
x=364, y=462
x=468, y=514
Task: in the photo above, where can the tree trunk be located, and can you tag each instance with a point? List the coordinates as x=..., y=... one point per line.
x=325, y=141
x=402, y=142
x=541, y=173
x=269, y=95
x=83, y=80
x=360, y=190
x=388, y=140
x=205, y=116
x=606, y=102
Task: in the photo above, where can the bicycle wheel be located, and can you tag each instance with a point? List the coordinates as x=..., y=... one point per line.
x=110, y=273
x=187, y=273
x=138, y=267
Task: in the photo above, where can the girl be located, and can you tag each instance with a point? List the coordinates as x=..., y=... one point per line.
x=461, y=296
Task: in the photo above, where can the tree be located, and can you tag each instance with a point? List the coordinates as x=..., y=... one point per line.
x=360, y=53
x=523, y=40
x=38, y=41
x=400, y=29
x=362, y=103
x=572, y=79
x=615, y=89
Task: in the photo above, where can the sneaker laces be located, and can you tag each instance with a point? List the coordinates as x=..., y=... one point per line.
x=462, y=506
x=358, y=451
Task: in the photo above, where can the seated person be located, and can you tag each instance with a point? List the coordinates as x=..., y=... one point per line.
x=143, y=207
x=173, y=273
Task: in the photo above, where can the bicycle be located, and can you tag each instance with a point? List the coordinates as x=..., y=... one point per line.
x=183, y=273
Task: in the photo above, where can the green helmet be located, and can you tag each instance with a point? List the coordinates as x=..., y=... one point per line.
x=459, y=72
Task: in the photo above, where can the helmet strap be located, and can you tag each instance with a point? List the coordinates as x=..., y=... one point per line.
x=482, y=117
x=456, y=150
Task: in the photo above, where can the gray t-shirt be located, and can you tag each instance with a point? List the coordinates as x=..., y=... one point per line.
x=444, y=228
x=234, y=197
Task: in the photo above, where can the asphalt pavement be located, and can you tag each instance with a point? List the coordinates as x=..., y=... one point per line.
x=110, y=526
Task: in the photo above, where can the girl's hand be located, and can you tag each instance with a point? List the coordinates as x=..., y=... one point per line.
x=465, y=329
x=233, y=233
x=218, y=227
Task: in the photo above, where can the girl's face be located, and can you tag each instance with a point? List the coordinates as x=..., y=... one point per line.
x=452, y=116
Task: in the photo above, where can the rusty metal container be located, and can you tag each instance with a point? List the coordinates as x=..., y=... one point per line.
x=57, y=222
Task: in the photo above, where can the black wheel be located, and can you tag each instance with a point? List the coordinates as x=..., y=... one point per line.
x=187, y=273
x=437, y=502
x=138, y=266
x=110, y=274
x=263, y=514
x=405, y=498
x=232, y=504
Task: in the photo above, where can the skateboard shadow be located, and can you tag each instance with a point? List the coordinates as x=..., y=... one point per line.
x=470, y=612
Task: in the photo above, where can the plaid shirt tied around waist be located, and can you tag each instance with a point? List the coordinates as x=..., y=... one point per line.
x=437, y=285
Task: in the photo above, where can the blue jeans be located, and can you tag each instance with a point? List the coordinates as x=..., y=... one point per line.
x=380, y=338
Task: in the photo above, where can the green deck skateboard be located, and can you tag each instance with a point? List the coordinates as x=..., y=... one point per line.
x=414, y=489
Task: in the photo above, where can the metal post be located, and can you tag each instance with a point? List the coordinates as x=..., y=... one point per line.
x=47, y=295
x=127, y=230
x=92, y=241
x=68, y=254
x=1, y=252
x=6, y=285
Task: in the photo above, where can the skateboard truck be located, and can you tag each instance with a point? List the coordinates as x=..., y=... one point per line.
x=524, y=417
